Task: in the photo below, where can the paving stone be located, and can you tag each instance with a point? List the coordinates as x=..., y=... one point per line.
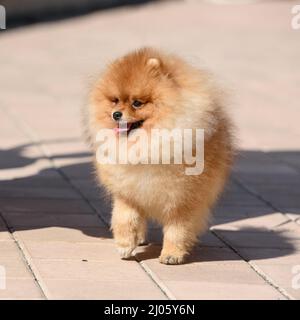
x=237, y=212
x=231, y=271
x=258, y=238
x=292, y=213
x=89, y=188
x=35, y=182
x=81, y=234
x=114, y=271
x=44, y=193
x=273, y=256
x=22, y=220
x=265, y=222
x=21, y=289
x=245, y=199
x=76, y=168
x=199, y=255
x=5, y=234
x=15, y=268
x=9, y=249
x=45, y=205
x=222, y=291
x=90, y=289
x=92, y=251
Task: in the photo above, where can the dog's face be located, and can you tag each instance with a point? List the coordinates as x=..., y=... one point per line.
x=136, y=89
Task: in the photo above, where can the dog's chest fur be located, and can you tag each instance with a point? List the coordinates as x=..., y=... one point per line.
x=155, y=189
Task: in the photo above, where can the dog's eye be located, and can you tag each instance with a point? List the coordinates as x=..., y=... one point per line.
x=136, y=103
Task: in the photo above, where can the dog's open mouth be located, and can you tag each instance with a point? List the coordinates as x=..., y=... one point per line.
x=128, y=126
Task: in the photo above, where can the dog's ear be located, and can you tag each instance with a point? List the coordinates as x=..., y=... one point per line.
x=155, y=67
x=158, y=68
x=153, y=63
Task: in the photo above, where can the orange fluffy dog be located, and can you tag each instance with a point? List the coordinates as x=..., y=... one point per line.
x=149, y=89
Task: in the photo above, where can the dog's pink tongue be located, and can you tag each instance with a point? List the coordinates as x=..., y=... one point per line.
x=118, y=130
x=122, y=128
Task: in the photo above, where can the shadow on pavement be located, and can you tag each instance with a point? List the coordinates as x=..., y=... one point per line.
x=69, y=198
x=49, y=11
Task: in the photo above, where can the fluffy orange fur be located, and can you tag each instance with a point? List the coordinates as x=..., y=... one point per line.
x=173, y=94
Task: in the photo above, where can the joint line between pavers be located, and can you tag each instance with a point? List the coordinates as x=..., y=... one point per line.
x=11, y=230
x=259, y=197
x=169, y=295
x=270, y=281
x=261, y=274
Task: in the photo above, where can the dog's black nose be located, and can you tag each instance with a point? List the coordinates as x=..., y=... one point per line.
x=117, y=115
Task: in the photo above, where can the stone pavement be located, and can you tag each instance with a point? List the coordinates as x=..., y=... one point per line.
x=54, y=236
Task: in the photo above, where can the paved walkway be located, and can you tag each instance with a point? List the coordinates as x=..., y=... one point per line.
x=54, y=238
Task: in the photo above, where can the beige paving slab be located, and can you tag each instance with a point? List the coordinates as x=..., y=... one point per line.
x=9, y=249
x=39, y=167
x=210, y=273
x=208, y=239
x=15, y=267
x=222, y=291
x=103, y=207
x=203, y=255
x=281, y=200
x=45, y=205
x=72, y=147
x=240, y=200
x=76, y=168
x=241, y=211
x=82, y=234
x=94, y=251
x=22, y=220
x=5, y=234
x=36, y=182
x=231, y=271
x=44, y=193
x=264, y=222
x=2, y=222
x=291, y=228
x=295, y=293
x=88, y=188
x=286, y=179
x=292, y=213
x=257, y=238
x=90, y=289
x=273, y=256
x=281, y=274
x=21, y=289
x=284, y=275
x=113, y=271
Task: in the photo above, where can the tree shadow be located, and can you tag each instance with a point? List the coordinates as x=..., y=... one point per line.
x=261, y=184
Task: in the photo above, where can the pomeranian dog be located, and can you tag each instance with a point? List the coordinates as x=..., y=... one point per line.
x=149, y=89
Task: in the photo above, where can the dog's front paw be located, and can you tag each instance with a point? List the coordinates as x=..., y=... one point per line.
x=126, y=252
x=171, y=259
